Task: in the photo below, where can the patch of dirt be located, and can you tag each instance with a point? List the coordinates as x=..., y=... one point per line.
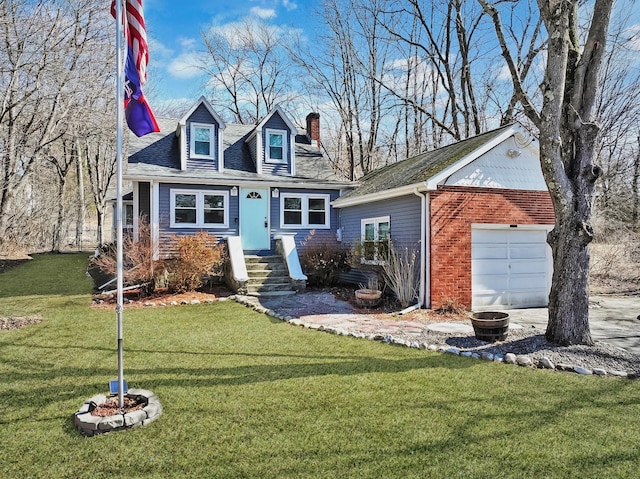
x=110, y=407
x=389, y=306
x=15, y=322
x=161, y=297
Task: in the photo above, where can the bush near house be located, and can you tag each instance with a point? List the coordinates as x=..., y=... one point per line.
x=323, y=260
x=196, y=256
x=139, y=265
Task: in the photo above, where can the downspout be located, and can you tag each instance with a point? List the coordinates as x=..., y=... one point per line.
x=423, y=235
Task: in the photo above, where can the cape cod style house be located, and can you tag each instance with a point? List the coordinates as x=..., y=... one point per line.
x=476, y=211
x=262, y=188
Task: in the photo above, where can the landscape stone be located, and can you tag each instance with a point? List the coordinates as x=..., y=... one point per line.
x=510, y=358
x=546, y=363
x=524, y=361
x=581, y=370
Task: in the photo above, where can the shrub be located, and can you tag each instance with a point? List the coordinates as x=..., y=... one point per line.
x=138, y=264
x=323, y=259
x=196, y=256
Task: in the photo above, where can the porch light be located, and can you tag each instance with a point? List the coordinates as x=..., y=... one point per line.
x=234, y=191
x=275, y=193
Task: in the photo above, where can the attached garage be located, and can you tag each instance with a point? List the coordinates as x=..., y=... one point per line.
x=511, y=266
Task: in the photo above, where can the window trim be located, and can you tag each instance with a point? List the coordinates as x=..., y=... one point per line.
x=199, y=208
x=267, y=150
x=192, y=141
x=376, y=236
x=305, y=197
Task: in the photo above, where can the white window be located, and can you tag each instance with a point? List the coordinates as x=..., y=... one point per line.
x=375, y=236
x=199, y=209
x=276, y=148
x=127, y=218
x=202, y=143
x=304, y=211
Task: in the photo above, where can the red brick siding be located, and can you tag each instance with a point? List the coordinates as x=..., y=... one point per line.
x=453, y=210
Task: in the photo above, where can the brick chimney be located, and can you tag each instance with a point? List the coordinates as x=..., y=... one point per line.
x=313, y=128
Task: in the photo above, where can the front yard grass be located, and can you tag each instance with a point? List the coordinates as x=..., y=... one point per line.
x=247, y=396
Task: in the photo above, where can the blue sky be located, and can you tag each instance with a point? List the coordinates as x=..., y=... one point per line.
x=173, y=30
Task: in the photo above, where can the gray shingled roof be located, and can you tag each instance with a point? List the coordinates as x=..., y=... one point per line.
x=420, y=168
x=158, y=155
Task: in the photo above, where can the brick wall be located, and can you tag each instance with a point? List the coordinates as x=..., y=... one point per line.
x=453, y=210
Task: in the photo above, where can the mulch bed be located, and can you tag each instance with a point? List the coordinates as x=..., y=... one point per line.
x=15, y=322
x=110, y=407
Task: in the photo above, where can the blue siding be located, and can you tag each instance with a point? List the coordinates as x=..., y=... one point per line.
x=166, y=232
x=404, y=218
x=202, y=115
x=301, y=234
x=253, y=145
x=276, y=123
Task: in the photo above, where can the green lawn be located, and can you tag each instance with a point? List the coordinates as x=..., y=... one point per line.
x=248, y=396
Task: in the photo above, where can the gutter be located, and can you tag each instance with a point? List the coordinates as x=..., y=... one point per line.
x=424, y=260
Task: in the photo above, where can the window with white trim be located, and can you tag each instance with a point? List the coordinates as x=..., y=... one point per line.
x=199, y=209
x=304, y=211
x=127, y=216
x=201, y=141
x=375, y=236
x=276, y=146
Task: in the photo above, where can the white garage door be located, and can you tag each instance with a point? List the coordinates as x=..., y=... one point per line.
x=510, y=268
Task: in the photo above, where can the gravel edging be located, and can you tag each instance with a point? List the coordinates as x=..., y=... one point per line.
x=526, y=347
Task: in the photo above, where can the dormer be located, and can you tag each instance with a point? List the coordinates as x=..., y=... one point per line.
x=200, y=133
x=272, y=144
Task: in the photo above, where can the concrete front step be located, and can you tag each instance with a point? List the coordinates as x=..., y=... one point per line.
x=260, y=288
x=267, y=275
x=268, y=280
x=271, y=293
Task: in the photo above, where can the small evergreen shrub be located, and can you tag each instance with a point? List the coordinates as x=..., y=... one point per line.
x=196, y=256
x=323, y=259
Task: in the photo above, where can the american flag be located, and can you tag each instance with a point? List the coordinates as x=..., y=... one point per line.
x=138, y=112
x=136, y=35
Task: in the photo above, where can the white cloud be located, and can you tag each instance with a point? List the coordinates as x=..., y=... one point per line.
x=289, y=5
x=184, y=66
x=263, y=13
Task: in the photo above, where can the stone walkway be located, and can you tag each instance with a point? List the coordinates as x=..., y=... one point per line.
x=320, y=310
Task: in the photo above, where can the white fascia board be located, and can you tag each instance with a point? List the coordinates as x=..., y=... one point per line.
x=439, y=178
x=234, y=182
x=379, y=196
x=182, y=135
x=283, y=115
x=202, y=100
x=220, y=152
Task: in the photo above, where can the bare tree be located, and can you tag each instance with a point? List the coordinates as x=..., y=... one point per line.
x=45, y=47
x=345, y=64
x=248, y=69
x=569, y=136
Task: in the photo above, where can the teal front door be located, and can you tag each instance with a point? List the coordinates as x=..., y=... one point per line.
x=254, y=218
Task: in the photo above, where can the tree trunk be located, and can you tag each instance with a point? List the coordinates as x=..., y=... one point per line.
x=81, y=197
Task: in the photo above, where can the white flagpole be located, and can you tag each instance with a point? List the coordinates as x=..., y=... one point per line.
x=119, y=117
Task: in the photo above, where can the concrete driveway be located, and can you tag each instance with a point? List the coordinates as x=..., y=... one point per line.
x=612, y=319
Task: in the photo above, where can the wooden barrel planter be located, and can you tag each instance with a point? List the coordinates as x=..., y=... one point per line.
x=490, y=326
x=368, y=298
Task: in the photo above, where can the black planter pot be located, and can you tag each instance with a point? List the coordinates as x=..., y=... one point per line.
x=490, y=326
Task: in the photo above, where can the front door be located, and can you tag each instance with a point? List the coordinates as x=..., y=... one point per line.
x=254, y=218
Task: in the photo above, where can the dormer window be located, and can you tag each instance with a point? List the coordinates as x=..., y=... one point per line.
x=276, y=146
x=201, y=141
